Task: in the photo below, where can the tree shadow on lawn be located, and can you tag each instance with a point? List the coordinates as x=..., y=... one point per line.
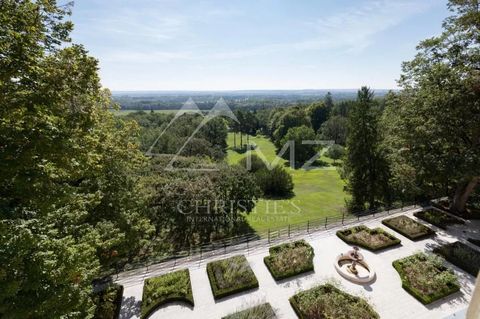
x=130, y=307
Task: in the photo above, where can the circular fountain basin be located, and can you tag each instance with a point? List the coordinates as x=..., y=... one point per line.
x=364, y=273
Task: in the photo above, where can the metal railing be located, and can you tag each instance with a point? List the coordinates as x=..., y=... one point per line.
x=249, y=241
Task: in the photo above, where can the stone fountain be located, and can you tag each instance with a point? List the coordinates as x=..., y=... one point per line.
x=353, y=267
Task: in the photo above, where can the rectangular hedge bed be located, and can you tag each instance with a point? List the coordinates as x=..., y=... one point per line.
x=438, y=218
x=425, y=277
x=108, y=302
x=408, y=227
x=230, y=276
x=327, y=301
x=158, y=291
x=471, y=212
x=372, y=239
x=462, y=256
x=263, y=311
x=290, y=259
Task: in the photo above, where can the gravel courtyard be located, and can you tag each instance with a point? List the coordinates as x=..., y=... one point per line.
x=385, y=294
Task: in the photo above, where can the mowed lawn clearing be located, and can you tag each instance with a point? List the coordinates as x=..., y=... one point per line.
x=318, y=192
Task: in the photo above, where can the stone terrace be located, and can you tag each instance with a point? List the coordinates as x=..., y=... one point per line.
x=385, y=294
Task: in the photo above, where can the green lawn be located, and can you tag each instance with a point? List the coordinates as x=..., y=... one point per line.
x=318, y=192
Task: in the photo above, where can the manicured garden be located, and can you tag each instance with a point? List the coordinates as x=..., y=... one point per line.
x=425, y=277
x=158, y=291
x=327, y=301
x=230, y=276
x=438, y=218
x=371, y=239
x=290, y=259
x=462, y=256
x=408, y=227
x=108, y=302
x=263, y=311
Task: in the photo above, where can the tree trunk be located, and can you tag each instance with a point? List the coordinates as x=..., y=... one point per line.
x=234, y=140
x=241, y=140
x=248, y=139
x=464, y=189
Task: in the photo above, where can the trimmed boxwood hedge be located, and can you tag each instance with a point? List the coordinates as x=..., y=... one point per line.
x=348, y=236
x=331, y=302
x=462, y=256
x=158, y=291
x=441, y=275
x=408, y=227
x=287, y=256
x=263, y=311
x=438, y=218
x=108, y=302
x=230, y=276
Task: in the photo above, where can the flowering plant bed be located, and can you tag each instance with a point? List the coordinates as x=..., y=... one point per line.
x=462, y=256
x=408, y=227
x=327, y=301
x=263, y=311
x=290, y=259
x=372, y=239
x=425, y=277
x=438, y=218
x=157, y=291
x=230, y=276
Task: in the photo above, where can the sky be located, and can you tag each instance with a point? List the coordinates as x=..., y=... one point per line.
x=253, y=44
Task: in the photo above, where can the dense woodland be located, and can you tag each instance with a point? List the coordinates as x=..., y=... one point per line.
x=79, y=196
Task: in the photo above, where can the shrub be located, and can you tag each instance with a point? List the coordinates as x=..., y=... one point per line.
x=408, y=227
x=425, y=277
x=327, y=301
x=372, y=239
x=230, y=276
x=438, y=218
x=290, y=259
x=170, y=287
x=462, y=256
x=263, y=311
x=275, y=183
x=335, y=152
x=108, y=302
x=252, y=163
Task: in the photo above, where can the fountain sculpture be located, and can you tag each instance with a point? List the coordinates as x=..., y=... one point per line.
x=353, y=267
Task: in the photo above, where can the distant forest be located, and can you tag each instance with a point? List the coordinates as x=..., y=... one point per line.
x=168, y=100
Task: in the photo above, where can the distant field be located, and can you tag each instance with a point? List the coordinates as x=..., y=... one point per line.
x=318, y=192
x=125, y=112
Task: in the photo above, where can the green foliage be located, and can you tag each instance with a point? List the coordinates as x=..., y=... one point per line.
x=432, y=123
x=252, y=163
x=282, y=120
x=371, y=239
x=230, y=276
x=290, y=259
x=298, y=137
x=318, y=113
x=365, y=166
x=158, y=291
x=335, y=129
x=408, y=227
x=71, y=201
x=192, y=206
x=461, y=256
x=327, y=301
x=263, y=311
x=275, y=182
x=425, y=277
x=335, y=152
x=108, y=302
x=438, y=218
